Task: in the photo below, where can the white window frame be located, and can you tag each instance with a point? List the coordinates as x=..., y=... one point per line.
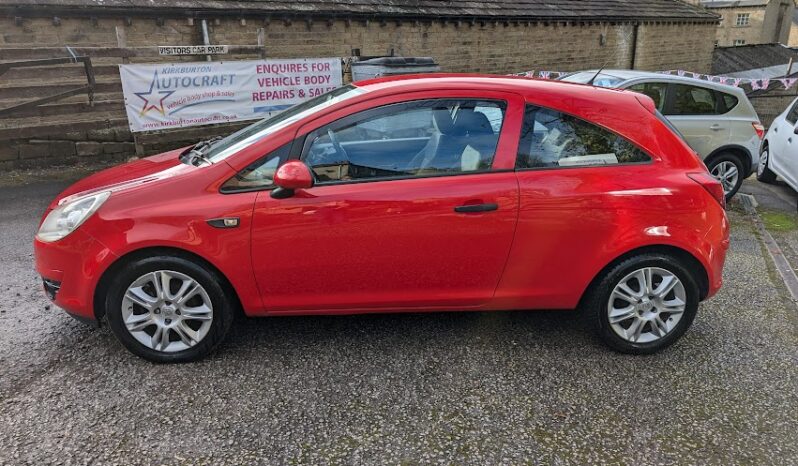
x=739, y=42
x=743, y=19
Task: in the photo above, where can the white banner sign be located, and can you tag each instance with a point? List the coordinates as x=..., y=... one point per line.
x=177, y=95
x=193, y=50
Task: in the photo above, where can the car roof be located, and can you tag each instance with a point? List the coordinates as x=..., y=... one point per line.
x=629, y=75
x=509, y=83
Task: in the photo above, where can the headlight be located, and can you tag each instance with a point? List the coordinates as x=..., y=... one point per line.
x=64, y=219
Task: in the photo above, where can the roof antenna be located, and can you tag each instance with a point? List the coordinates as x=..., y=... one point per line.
x=590, y=83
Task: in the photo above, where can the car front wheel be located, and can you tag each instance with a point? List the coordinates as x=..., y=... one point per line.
x=168, y=309
x=643, y=304
x=763, y=171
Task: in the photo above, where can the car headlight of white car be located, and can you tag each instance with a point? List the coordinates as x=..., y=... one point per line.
x=65, y=218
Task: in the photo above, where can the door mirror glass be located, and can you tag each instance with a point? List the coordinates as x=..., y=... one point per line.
x=291, y=176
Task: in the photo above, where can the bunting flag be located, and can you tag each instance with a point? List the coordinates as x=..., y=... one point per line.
x=756, y=84
x=788, y=82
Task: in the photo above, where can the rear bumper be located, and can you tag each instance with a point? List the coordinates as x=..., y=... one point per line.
x=70, y=269
x=718, y=242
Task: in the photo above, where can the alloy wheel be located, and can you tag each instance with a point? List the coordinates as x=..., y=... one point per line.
x=167, y=311
x=727, y=173
x=646, y=305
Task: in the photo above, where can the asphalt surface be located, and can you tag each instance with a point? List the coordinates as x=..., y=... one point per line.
x=467, y=388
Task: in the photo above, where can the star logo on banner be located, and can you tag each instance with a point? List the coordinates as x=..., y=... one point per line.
x=154, y=97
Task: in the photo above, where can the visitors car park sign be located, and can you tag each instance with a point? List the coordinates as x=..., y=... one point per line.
x=176, y=95
x=193, y=50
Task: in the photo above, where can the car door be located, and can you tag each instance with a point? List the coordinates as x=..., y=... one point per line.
x=411, y=208
x=695, y=111
x=784, y=145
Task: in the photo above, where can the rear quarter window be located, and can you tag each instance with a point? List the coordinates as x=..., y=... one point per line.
x=551, y=139
x=729, y=101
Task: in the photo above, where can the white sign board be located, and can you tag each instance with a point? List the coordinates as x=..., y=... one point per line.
x=193, y=50
x=177, y=95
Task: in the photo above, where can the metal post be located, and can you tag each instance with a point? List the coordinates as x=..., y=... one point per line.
x=206, y=39
x=262, y=42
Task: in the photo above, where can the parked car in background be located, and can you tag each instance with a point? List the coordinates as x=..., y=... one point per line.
x=405, y=194
x=779, y=155
x=718, y=121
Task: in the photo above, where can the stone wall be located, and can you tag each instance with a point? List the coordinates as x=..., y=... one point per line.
x=488, y=47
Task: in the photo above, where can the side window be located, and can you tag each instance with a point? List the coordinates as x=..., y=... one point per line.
x=729, y=101
x=553, y=139
x=792, y=115
x=692, y=100
x=413, y=139
x=260, y=174
x=654, y=90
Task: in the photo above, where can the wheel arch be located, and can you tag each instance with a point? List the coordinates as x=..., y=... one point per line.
x=740, y=151
x=687, y=259
x=105, y=279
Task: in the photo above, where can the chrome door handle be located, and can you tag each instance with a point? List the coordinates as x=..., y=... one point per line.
x=715, y=127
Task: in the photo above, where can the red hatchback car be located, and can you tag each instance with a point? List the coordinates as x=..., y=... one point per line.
x=424, y=193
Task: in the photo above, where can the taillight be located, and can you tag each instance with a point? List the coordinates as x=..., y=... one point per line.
x=760, y=130
x=712, y=186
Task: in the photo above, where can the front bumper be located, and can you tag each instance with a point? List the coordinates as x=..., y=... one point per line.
x=70, y=270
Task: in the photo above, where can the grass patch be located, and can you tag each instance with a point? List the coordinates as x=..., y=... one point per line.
x=779, y=221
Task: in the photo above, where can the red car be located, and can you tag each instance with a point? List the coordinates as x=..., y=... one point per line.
x=408, y=194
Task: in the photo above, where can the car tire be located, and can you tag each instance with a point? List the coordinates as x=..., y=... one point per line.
x=763, y=171
x=721, y=165
x=604, y=309
x=182, y=324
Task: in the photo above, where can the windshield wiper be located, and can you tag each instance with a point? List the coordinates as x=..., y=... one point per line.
x=196, y=153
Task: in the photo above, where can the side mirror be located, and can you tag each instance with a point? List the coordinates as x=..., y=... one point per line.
x=795, y=131
x=291, y=176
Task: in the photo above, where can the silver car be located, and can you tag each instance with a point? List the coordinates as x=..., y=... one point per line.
x=718, y=121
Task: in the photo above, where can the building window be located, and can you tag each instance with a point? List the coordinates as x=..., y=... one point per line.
x=716, y=44
x=738, y=42
x=743, y=19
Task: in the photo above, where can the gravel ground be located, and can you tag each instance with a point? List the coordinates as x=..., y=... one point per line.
x=468, y=388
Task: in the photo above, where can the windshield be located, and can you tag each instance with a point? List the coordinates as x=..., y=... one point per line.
x=223, y=148
x=602, y=80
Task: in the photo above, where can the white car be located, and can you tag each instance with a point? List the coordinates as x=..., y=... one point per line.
x=716, y=120
x=779, y=156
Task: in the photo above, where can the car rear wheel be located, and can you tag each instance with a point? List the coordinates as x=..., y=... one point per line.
x=643, y=304
x=763, y=171
x=168, y=309
x=730, y=171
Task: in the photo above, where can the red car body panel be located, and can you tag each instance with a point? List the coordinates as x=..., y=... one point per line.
x=398, y=245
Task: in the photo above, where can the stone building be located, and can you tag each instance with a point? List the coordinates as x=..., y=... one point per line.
x=794, y=30
x=746, y=22
x=503, y=36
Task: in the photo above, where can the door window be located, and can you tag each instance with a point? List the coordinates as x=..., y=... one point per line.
x=554, y=139
x=792, y=115
x=412, y=139
x=258, y=175
x=654, y=90
x=692, y=100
